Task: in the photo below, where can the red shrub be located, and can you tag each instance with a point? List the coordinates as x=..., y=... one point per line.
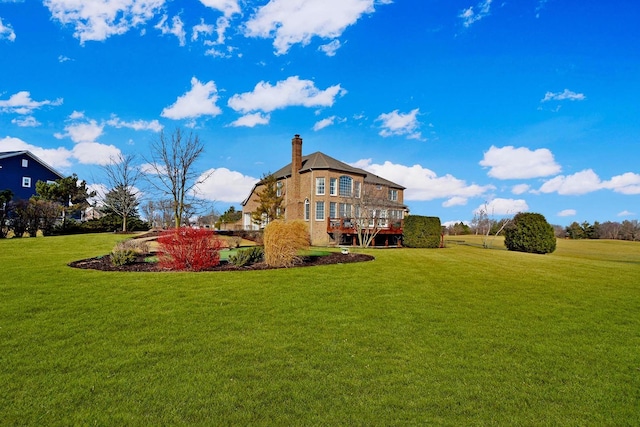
x=189, y=249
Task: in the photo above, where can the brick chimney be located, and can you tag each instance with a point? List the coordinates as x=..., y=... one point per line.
x=296, y=165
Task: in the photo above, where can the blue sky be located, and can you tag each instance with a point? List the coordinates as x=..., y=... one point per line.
x=528, y=105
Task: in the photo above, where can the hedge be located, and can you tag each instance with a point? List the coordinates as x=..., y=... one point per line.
x=422, y=231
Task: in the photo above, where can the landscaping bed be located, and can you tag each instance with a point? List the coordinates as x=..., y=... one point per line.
x=103, y=263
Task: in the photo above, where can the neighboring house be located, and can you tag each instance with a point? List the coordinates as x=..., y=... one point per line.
x=20, y=170
x=333, y=198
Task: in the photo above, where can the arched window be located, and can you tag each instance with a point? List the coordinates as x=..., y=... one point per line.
x=346, y=186
x=307, y=208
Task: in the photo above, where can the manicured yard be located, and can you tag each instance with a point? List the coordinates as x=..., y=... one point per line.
x=454, y=336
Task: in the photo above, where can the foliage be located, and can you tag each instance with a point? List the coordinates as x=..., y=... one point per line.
x=123, y=202
x=5, y=208
x=122, y=198
x=270, y=205
x=69, y=193
x=123, y=256
x=113, y=222
x=458, y=229
x=230, y=216
x=126, y=252
x=189, y=248
x=20, y=217
x=530, y=232
x=422, y=231
x=282, y=242
x=247, y=256
x=172, y=170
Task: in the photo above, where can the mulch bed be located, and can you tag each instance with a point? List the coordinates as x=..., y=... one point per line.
x=104, y=263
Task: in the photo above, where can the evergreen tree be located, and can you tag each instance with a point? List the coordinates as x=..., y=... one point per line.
x=269, y=203
x=530, y=232
x=70, y=194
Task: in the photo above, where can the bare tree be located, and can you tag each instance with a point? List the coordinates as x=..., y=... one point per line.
x=370, y=217
x=372, y=212
x=122, y=175
x=172, y=172
x=487, y=224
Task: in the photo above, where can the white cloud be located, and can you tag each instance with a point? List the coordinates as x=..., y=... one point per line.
x=455, y=201
x=21, y=103
x=82, y=132
x=99, y=19
x=567, y=212
x=626, y=213
x=55, y=157
x=627, y=183
x=227, y=7
x=520, y=188
x=331, y=48
x=470, y=15
x=324, y=123
x=423, y=184
x=94, y=153
x=224, y=185
x=6, y=32
x=286, y=93
x=251, y=120
x=62, y=58
x=519, y=163
x=199, y=101
x=565, y=95
x=500, y=206
x=579, y=183
x=176, y=28
x=153, y=125
x=28, y=121
x=75, y=115
x=201, y=28
x=398, y=124
x=297, y=21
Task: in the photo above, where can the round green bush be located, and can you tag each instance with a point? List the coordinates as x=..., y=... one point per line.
x=530, y=232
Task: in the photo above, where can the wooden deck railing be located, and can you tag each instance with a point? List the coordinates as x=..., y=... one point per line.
x=348, y=225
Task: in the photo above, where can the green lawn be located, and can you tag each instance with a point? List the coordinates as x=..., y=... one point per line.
x=454, y=336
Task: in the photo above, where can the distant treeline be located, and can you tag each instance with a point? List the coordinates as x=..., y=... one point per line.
x=625, y=230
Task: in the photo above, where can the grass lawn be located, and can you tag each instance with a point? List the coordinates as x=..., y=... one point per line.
x=453, y=336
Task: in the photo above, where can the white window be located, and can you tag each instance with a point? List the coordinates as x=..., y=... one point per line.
x=333, y=186
x=279, y=189
x=319, y=211
x=332, y=210
x=26, y=182
x=346, y=186
x=356, y=189
x=393, y=195
x=345, y=210
x=320, y=186
x=25, y=163
x=307, y=207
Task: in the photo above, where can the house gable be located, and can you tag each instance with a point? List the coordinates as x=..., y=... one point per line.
x=20, y=170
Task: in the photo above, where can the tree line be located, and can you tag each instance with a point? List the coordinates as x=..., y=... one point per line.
x=625, y=230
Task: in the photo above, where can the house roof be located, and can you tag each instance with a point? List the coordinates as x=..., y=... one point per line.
x=8, y=154
x=320, y=161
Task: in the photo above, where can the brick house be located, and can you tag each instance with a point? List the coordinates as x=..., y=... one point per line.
x=335, y=199
x=20, y=170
